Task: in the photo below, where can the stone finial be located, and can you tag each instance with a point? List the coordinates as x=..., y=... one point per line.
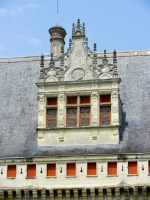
x=114, y=57
x=95, y=55
x=105, y=61
x=78, y=24
x=86, y=43
x=115, y=73
x=83, y=28
x=70, y=43
x=73, y=29
x=42, y=67
x=95, y=49
x=52, y=63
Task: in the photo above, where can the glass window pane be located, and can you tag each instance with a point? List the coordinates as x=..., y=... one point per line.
x=105, y=121
x=52, y=113
x=85, y=112
x=72, y=112
x=85, y=122
x=105, y=111
x=51, y=123
x=72, y=123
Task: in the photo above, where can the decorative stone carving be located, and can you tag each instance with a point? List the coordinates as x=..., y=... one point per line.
x=78, y=74
x=41, y=112
x=51, y=79
x=115, y=110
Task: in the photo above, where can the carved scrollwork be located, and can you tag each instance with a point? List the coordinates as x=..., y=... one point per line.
x=78, y=74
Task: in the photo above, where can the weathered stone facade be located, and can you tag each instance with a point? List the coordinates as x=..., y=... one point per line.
x=26, y=140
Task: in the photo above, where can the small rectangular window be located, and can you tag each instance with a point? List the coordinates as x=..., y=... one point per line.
x=105, y=115
x=52, y=101
x=149, y=167
x=11, y=171
x=71, y=169
x=51, y=169
x=112, y=168
x=72, y=100
x=91, y=169
x=105, y=98
x=51, y=118
x=31, y=171
x=132, y=167
x=84, y=99
x=84, y=116
x=72, y=117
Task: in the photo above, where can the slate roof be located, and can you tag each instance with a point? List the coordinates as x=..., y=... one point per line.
x=18, y=108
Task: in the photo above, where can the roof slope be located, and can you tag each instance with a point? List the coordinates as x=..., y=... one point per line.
x=18, y=108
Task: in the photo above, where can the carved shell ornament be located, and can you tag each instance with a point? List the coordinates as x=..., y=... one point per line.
x=78, y=74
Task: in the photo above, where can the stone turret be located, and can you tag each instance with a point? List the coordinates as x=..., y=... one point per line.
x=57, y=34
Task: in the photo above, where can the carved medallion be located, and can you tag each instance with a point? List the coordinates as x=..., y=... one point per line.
x=78, y=74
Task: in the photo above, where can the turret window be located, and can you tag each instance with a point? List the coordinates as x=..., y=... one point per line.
x=78, y=111
x=51, y=115
x=105, y=110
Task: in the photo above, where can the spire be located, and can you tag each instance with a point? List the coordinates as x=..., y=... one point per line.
x=86, y=43
x=114, y=57
x=42, y=67
x=78, y=30
x=83, y=28
x=73, y=30
x=70, y=43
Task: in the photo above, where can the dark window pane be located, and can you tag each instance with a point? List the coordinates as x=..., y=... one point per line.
x=71, y=100
x=84, y=99
x=72, y=112
x=72, y=123
x=52, y=113
x=85, y=122
x=105, y=98
x=51, y=123
x=105, y=121
x=52, y=101
x=105, y=111
x=85, y=112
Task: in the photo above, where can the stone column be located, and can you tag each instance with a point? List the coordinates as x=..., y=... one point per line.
x=35, y=194
x=117, y=193
x=75, y=191
x=109, y=194
x=18, y=194
x=67, y=194
x=26, y=194
x=100, y=192
x=43, y=195
x=1, y=195
x=84, y=194
x=51, y=193
x=126, y=193
x=10, y=195
x=92, y=192
x=144, y=193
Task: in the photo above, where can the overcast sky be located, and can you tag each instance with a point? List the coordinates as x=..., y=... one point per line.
x=113, y=24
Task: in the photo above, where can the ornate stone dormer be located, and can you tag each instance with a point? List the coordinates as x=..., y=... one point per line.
x=78, y=95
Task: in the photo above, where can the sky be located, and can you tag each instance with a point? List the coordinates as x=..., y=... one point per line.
x=123, y=25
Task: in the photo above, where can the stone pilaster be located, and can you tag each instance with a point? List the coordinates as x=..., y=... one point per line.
x=51, y=194
x=43, y=195
x=10, y=195
x=117, y=193
x=84, y=194
x=109, y=194
x=18, y=194
x=75, y=191
x=100, y=192
x=92, y=193
x=67, y=194
x=126, y=193
x=35, y=194
x=94, y=109
x=144, y=193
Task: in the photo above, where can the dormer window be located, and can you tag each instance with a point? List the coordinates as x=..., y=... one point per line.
x=78, y=111
x=51, y=113
x=105, y=110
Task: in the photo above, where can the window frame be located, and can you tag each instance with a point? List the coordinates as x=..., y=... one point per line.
x=27, y=176
x=88, y=163
x=136, y=168
x=47, y=170
x=9, y=166
x=78, y=107
x=111, y=174
x=105, y=104
x=51, y=107
x=67, y=169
